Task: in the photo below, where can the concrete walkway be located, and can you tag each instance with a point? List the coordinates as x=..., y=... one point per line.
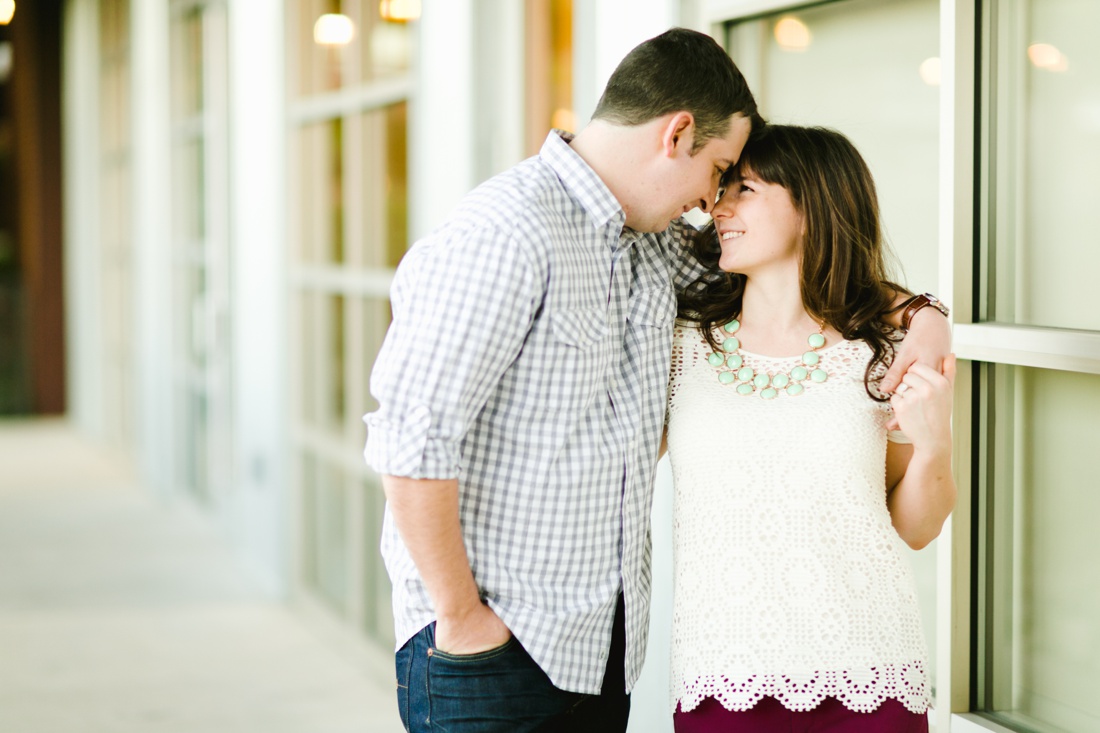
x=118, y=615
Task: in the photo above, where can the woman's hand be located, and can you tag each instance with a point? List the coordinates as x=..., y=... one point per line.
x=922, y=405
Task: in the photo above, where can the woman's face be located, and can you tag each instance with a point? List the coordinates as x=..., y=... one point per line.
x=758, y=226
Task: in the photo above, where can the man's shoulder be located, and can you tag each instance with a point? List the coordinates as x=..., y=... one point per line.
x=524, y=202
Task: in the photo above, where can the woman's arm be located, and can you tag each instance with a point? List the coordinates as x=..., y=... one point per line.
x=920, y=485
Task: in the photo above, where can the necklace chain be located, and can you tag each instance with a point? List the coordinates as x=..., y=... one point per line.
x=730, y=365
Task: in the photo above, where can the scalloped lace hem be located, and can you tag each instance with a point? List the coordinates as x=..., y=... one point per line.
x=860, y=693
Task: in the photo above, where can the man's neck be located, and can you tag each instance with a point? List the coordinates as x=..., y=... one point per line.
x=617, y=154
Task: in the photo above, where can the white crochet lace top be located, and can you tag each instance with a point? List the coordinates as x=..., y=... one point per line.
x=790, y=580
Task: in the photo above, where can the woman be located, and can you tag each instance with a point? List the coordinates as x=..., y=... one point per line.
x=795, y=608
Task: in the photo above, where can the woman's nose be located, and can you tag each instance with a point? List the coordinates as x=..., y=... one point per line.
x=724, y=206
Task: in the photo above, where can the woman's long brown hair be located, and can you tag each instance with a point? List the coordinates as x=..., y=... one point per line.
x=843, y=273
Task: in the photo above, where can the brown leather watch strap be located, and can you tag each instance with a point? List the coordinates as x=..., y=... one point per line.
x=916, y=303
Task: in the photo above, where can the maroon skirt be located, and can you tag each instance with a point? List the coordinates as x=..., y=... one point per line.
x=769, y=716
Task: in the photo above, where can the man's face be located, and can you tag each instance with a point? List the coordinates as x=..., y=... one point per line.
x=682, y=182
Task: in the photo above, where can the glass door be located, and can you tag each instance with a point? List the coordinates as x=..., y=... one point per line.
x=200, y=250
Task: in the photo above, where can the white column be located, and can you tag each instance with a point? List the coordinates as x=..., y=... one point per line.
x=152, y=240
x=604, y=31
x=442, y=138
x=80, y=130
x=257, y=199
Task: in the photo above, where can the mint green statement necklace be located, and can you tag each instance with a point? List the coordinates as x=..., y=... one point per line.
x=732, y=370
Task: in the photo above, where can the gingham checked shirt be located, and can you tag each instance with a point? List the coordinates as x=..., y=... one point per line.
x=529, y=357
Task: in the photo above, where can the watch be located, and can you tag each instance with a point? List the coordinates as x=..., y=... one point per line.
x=917, y=302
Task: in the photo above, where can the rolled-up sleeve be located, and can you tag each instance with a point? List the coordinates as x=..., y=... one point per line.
x=463, y=304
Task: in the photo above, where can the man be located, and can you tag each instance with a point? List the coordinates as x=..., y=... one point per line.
x=522, y=394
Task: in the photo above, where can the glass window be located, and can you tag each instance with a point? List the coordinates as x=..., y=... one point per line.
x=549, y=72
x=1044, y=148
x=1039, y=640
x=114, y=219
x=320, y=193
x=378, y=608
x=326, y=516
x=349, y=221
x=201, y=248
x=342, y=43
x=870, y=70
x=1036, y=653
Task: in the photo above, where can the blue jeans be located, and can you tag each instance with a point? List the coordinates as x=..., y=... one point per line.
x=502, y=690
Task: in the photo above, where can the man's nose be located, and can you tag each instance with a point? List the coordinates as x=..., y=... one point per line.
x=706, y=204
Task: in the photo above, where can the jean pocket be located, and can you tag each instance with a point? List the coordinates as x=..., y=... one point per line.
x=484, y=656
x=502, y=688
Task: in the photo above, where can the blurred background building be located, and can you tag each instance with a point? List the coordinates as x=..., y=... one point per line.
x=203, y=202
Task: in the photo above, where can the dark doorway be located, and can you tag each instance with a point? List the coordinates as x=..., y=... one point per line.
x=32, y=324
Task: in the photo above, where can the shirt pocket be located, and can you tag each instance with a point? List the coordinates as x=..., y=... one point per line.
x=650, y=316
x=573, y=370
x=652, y=307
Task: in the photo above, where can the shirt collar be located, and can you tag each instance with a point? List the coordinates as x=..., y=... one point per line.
x=583, y=184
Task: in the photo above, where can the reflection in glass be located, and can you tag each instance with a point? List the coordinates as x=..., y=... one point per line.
x=116, y=242
x=1046, y=56
x=549, y=70
x=377, y=602
x=333, y=29
x=395, y=145
x=320, y=187
x=1039, y=635
x=189, y=77
x=195, y=459
x=1043, y=128
x=791, y=34
x=399, y=11
x=376, y=320
x=326, y=543
x=345, y=43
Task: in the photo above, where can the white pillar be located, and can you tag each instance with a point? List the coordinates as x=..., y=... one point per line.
x=82, y=257
x=152, y=240
x=604, y=32
x=257, y=197
x=442, y=139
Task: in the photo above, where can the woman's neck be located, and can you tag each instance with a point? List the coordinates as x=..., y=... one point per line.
x=774, y=322
x=775, y=304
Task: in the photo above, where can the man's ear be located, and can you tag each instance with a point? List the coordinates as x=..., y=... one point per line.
x=678, y=134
